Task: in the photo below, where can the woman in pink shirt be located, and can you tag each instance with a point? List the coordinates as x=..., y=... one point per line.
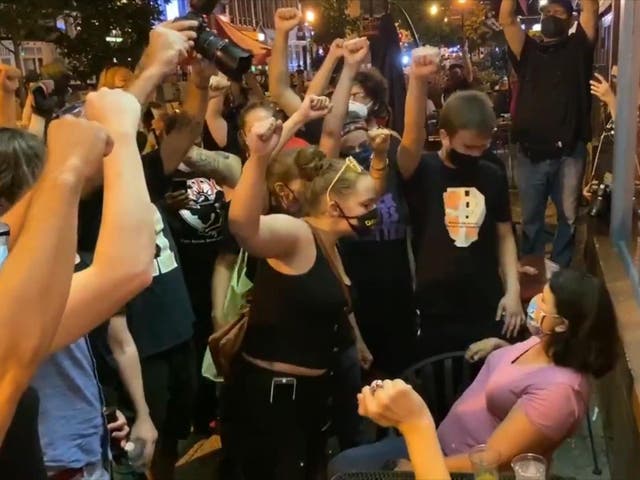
x=528, y=397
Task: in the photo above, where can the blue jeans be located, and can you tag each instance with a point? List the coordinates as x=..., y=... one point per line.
x=560, y=179
x=368, y=458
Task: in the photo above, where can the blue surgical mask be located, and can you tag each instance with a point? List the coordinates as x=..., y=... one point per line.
x=4, y=242
x=532, y=324
x=363, y=156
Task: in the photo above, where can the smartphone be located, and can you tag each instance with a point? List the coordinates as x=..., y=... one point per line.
x=283, y=389
x=179, y=185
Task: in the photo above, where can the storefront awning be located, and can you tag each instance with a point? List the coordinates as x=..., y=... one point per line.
x=247, y=40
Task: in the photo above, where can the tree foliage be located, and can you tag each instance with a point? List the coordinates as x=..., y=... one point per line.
x=334, y=22
x=89, y=51
x=85, y=47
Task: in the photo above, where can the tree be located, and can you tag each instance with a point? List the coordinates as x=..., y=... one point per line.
x=22, y=20
x=85, y=45
x=107, y=31
x=334, y=22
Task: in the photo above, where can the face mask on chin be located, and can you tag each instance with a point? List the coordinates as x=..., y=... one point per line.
x=553, y=28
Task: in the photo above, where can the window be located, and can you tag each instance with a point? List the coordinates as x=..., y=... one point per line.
x=625, y=211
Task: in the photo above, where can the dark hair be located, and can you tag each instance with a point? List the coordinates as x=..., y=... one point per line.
x=468, y=110
x=376, y=87
x=21, y=160
x=590, y=343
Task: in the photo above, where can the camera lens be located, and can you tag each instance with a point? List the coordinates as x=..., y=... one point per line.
x=230, y=59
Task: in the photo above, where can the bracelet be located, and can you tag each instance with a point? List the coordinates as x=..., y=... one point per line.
x=381, y=169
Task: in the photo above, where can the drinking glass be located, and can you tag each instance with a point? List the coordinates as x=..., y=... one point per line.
x=485, y=463
x=529, y=466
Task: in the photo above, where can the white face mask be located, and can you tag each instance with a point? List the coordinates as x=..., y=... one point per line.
x=359, y=109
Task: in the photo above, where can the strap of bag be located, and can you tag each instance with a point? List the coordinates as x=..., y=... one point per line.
x=334, y=267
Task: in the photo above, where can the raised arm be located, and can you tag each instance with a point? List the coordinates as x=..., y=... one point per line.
x=126, y=244
x=223, y=167
x=169, y=44
x=423, y=66
x=265, y=236
x=176, y=145
x=217, y=125
x=513, y=32
x=312, y=108
x=589, y=19
x=466, y=61
x=36, y=277
x=9, y=83
x=320, y=81
x=354, y=52
x=286, y=19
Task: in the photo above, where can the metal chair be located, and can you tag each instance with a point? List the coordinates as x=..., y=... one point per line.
x=392, y=476
x=440, y=380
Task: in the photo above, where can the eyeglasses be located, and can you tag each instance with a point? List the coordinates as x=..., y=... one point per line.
x=349, y=162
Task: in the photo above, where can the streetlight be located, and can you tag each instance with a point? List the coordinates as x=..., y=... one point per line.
x=434, y=9
x=310, y=16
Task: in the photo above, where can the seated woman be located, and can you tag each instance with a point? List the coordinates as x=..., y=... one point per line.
x=528, y=397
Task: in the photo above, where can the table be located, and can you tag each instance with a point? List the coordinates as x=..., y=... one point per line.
x=410, y=476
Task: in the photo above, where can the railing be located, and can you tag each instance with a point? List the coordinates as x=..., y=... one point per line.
x=625, y=150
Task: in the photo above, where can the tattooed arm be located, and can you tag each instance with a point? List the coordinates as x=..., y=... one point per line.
x=223, y=167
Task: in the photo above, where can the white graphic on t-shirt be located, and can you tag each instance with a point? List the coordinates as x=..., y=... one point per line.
x=464, y=212
x=205, y=214
x=165, y=259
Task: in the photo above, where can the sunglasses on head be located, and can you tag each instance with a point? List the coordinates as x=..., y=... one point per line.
x=349, y=163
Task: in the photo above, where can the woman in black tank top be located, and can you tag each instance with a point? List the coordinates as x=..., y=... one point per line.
x=276, y=402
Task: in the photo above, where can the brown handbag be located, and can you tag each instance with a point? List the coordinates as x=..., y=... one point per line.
x=225, y=344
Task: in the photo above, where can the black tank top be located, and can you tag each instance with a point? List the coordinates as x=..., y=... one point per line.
x=296, y=319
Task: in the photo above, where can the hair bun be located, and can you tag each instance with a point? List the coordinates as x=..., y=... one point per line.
x=311, y=162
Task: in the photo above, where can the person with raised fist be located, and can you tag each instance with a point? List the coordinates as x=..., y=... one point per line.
x=467, y=285
x=276, y=399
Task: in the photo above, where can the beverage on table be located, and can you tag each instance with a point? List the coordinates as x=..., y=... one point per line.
x=529, y=466
x=485, y=463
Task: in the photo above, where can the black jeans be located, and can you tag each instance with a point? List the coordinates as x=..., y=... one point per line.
x=271, y=430
x=346, y=383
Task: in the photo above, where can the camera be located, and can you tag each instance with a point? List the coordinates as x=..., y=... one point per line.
x=601, y=197
x=228, y=57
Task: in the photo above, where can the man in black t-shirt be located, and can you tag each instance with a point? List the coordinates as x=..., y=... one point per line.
x=460, y=213
x=552, y=118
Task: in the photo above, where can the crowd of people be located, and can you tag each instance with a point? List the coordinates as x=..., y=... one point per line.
x=338, y=250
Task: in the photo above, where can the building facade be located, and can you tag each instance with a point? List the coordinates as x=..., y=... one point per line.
x=33, y=55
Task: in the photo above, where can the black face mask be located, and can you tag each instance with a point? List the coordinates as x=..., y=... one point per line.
x=364, y=223
x=553, y=28
x=462, y=161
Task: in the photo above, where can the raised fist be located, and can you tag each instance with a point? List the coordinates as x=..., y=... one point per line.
x=424, y=62
x=77, y=146
x=314, y=107
x=263, y=138
x=286, y=19
x=356, y=50
x=116, y=110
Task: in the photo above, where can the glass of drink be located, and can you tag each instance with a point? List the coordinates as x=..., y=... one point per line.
x=529, y=466
x=485, y=463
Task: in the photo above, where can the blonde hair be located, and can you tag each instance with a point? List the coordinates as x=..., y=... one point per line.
x=109, y=75
x=318, y=172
